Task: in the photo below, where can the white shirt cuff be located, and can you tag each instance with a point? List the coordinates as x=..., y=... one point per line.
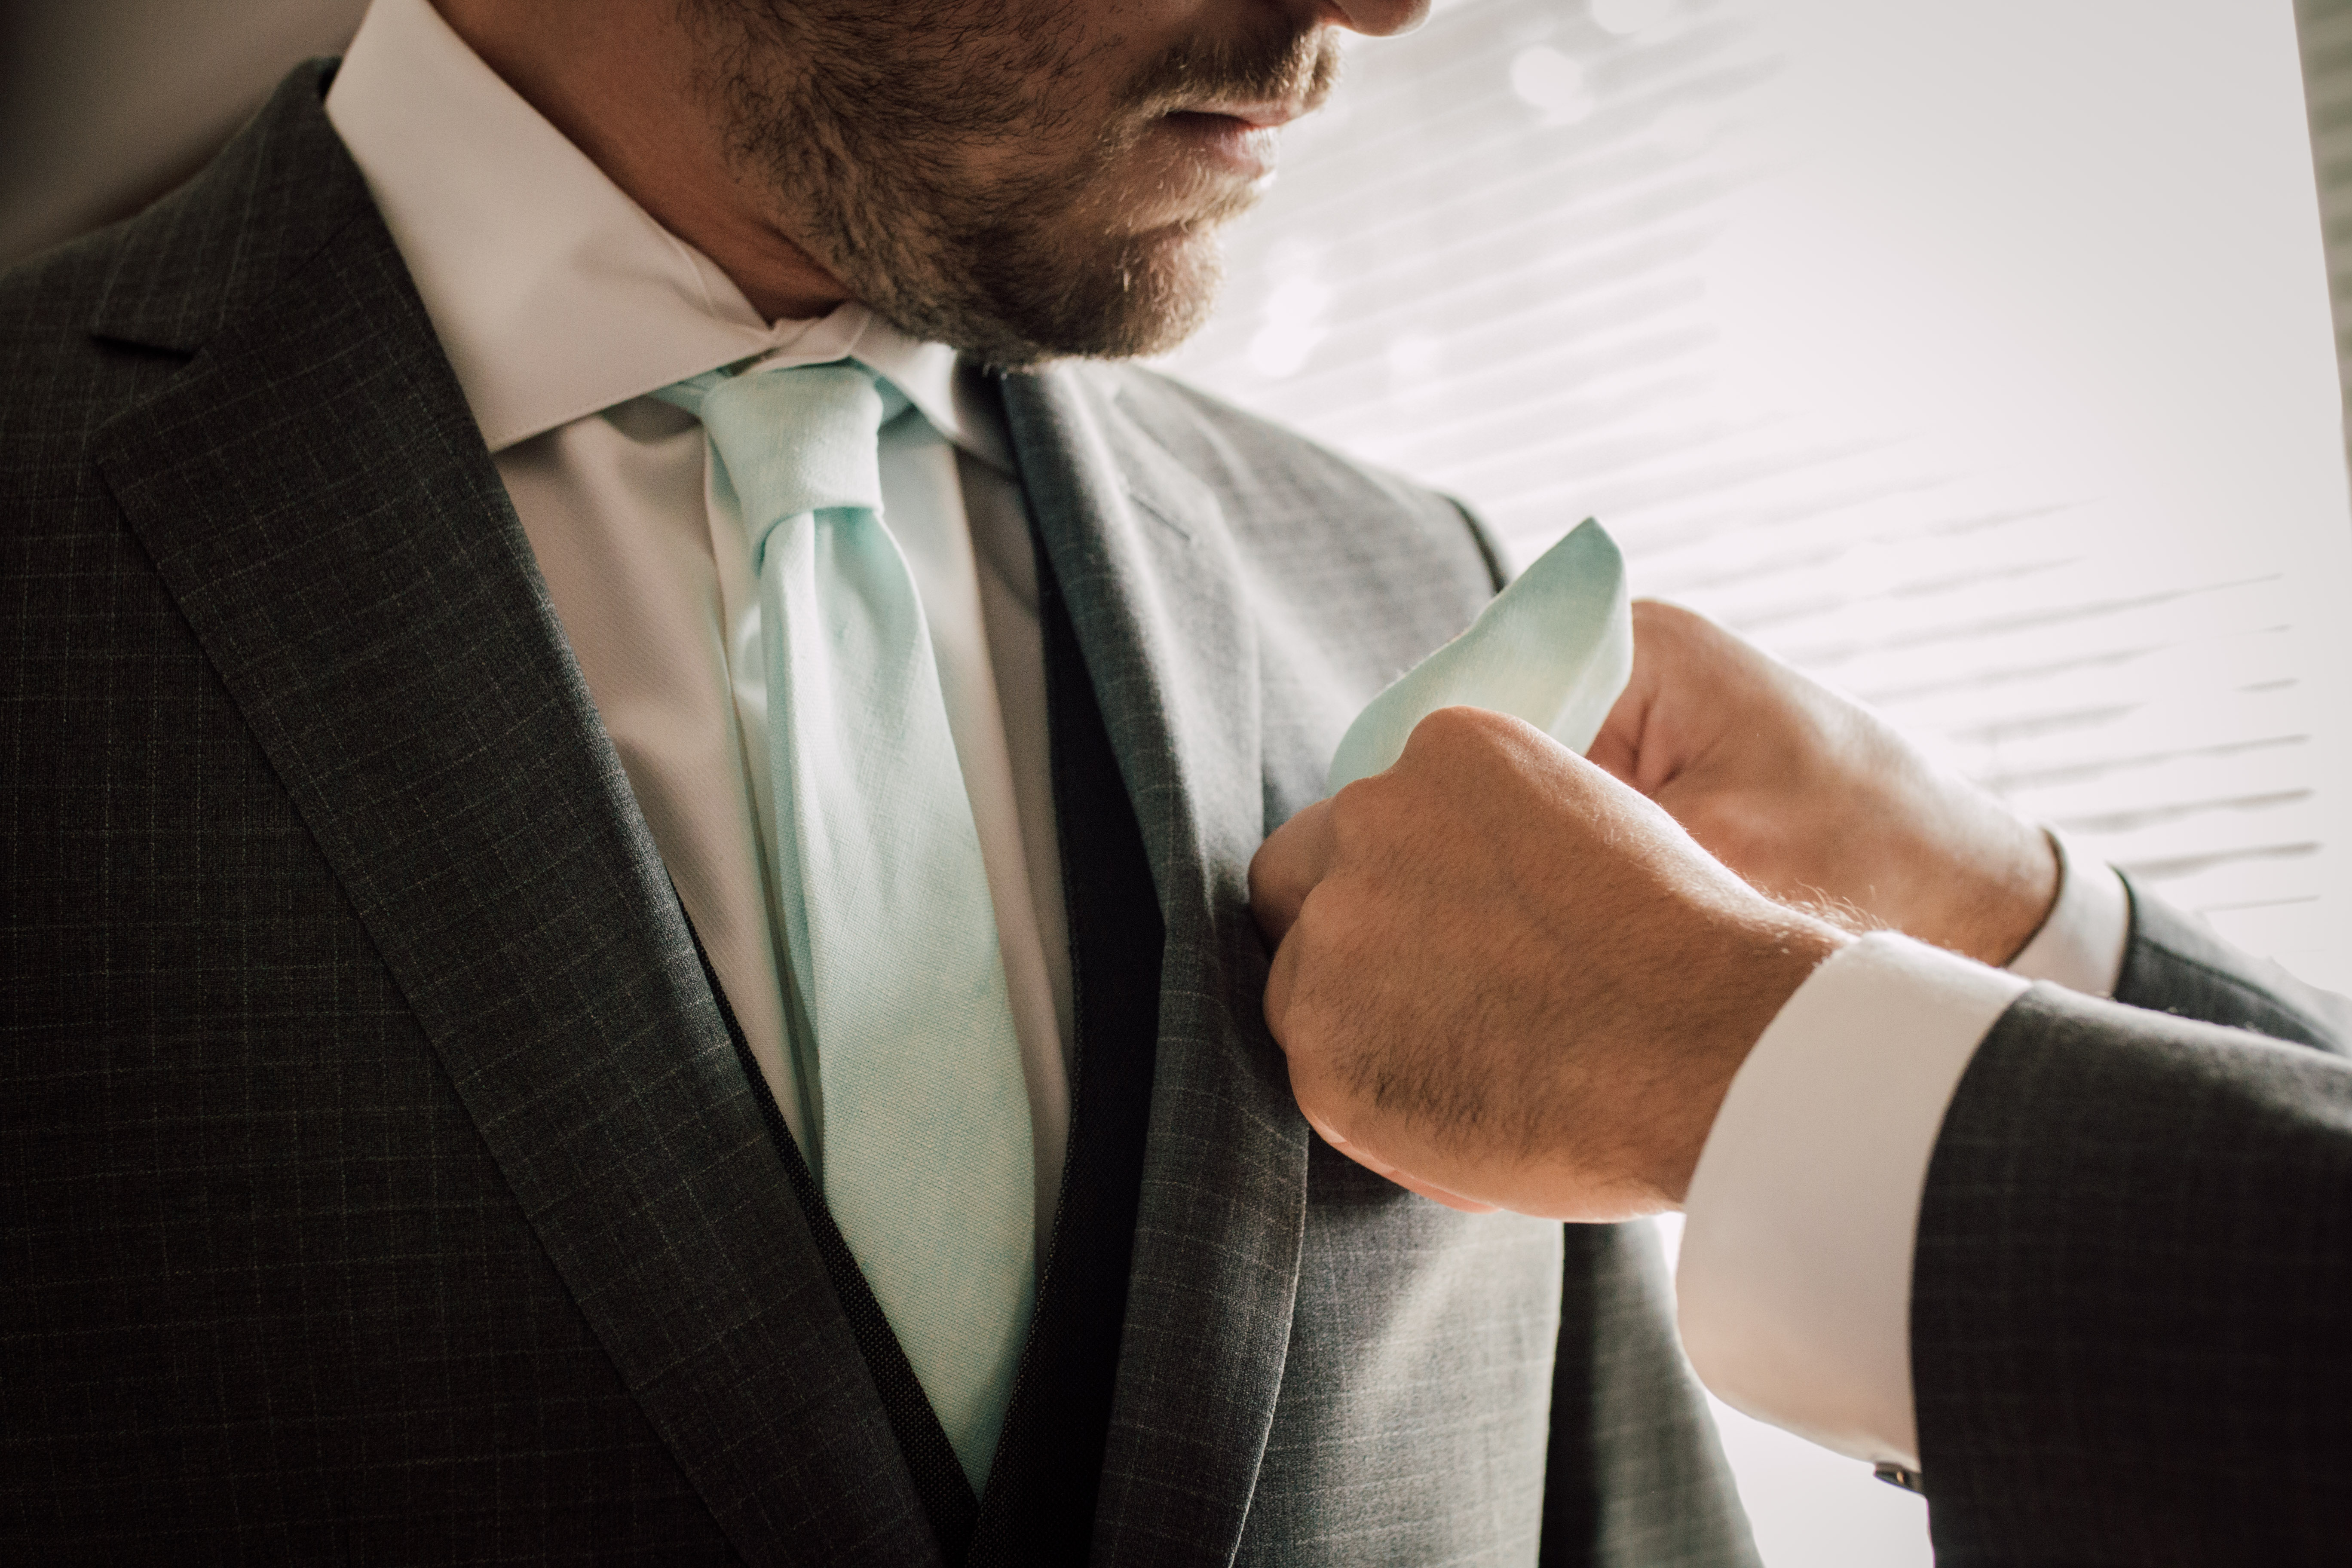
x=1795, y=1276
x=2081, y=945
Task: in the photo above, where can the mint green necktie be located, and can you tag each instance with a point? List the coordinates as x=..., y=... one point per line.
x=1555, y=648
x=925, y=1150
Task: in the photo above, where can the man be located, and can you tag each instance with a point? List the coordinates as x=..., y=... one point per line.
x=2076, y=1269
x=628, y=805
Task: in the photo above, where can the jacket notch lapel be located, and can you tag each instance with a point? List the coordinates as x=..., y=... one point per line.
x=1160, y=603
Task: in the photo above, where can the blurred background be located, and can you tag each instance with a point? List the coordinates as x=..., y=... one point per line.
x=1976, y=359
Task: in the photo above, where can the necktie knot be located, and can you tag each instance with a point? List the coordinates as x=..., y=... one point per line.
x=794, y=441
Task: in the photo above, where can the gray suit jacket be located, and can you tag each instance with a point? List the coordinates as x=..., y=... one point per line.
x=379, y=1182
x=2132, y=1299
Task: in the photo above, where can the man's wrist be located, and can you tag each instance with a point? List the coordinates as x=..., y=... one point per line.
x=1760, y=967
x=2004, y=896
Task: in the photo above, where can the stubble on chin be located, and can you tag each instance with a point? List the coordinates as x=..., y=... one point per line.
x=866, y=131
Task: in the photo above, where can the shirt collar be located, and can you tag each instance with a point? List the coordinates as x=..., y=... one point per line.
x=555, y=295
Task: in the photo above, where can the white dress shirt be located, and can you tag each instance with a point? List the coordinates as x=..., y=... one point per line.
x=1798, y=1229
x=562, y=304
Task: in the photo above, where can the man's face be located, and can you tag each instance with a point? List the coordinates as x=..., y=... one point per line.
x=1019, y=178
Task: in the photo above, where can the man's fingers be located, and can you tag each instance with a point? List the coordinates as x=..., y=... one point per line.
x=1279, y=982
x=1415, y=1185
x=1281, y=977
x=1382, y=1168
x=1614, y=751
x=1410, y=1183
x=1617, y=748
x=1285, y=869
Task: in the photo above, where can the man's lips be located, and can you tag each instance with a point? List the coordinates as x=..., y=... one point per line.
x=1256, y=116
x=1240, y=137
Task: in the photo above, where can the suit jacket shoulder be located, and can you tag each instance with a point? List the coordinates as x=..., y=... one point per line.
x=59, y=381
x=1291, y=480
x=93, y=325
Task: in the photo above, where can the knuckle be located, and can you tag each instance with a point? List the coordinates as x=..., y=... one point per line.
x=1664, y=612
x=1310, y=933
x=1452, y=740
x=1458, y=726
x=1271, y=877
x=1674, y=633
x=1360, y=815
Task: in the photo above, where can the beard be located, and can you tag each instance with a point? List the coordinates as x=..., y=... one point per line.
x=954, y=165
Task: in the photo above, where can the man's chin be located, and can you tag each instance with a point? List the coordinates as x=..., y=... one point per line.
x=1144, y=295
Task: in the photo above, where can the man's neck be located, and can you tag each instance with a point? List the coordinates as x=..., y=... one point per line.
x=616, y=79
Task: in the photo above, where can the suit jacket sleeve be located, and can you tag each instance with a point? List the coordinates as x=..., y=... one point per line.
x=2175, y=965
x=2132, y=1264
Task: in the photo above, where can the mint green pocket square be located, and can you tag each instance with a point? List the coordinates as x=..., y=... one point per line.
x=1554, y=648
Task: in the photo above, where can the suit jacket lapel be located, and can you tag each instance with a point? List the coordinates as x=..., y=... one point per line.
x=315, y=494
x=1158, y=602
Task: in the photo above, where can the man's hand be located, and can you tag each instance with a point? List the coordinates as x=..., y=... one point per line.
x=1817, y=801
x=1504, y=979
